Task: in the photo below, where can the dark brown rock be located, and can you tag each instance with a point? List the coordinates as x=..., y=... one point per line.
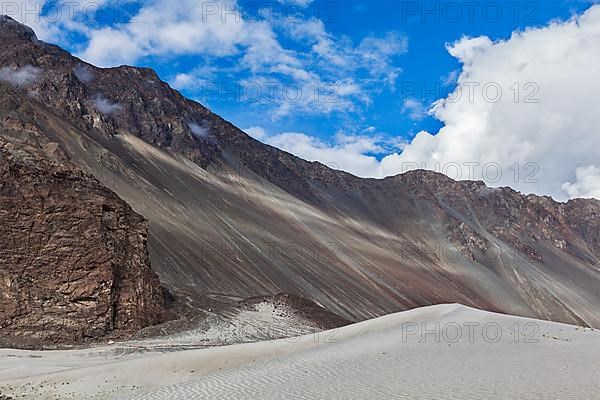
x=74, y=265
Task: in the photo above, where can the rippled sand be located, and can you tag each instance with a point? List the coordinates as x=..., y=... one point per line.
x=440, y=352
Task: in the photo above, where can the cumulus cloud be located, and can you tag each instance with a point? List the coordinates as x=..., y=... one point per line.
x=346, y=153
x=355, y=153
x=183, y=81
x=540, y=132
x=20, y=77
x=587, y=184
x=256, y=132
x=106, y=106
x=170, y=28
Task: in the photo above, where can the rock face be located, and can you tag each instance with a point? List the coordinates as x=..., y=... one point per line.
x=73, y=259
x=230, y=216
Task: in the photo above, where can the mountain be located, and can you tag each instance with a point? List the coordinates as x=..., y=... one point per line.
x=232, y=218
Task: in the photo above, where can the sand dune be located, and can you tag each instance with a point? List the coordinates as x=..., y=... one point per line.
x=439, y=352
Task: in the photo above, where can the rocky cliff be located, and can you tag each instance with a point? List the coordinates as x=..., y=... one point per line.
x=74, y=264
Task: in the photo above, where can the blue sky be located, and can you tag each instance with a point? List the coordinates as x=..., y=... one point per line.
x=350, y=83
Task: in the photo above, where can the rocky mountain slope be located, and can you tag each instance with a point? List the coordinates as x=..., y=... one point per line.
x=230, y=216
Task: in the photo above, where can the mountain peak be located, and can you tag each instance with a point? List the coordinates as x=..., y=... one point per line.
x=12, y=28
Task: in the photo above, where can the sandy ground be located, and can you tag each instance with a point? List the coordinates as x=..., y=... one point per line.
x=439, y=352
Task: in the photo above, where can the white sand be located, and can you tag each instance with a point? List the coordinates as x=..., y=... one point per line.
x=386, y=358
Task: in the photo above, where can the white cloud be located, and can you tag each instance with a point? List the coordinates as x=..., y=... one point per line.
x=543, y=137
x=377, y=52
x=111, y=47
x=347, y=153
x=354, y=153
x=83, y=73
x=338, y=55
x=587, y=184
x=256, y=132
x=170, y=28
x=20, y=77
x=451, y=78
x=200, y=77
x=105, y=106
x=198, y=130
x=333, y=74
x=415, y=109
x=182, y=81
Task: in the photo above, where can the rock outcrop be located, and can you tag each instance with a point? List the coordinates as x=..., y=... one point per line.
x=74, y=265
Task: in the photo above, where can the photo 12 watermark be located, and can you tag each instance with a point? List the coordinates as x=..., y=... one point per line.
x=270, y=93
x=54, y=12
x=209, y=12
x=454, y=12
x=491, y=172
x=469, y=332
x=471, y=92
x=485, y=252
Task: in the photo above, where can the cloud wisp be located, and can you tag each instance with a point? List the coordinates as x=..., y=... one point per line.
x=105, y=106
x=20, y=77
